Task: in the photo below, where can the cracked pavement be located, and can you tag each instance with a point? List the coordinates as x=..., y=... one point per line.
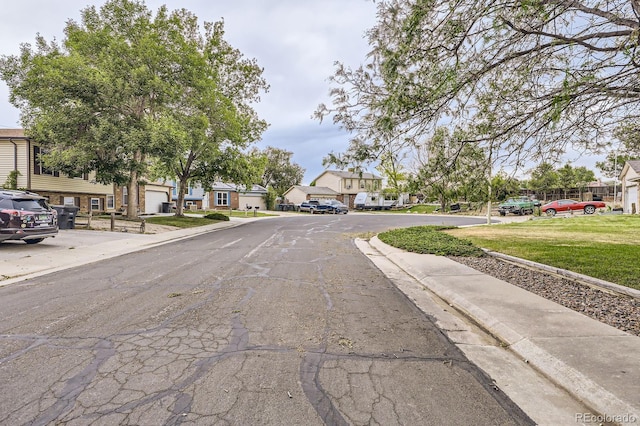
x=275, y=322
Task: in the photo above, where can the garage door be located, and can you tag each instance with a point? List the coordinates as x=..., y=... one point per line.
x=153, y=201
x=251, y=200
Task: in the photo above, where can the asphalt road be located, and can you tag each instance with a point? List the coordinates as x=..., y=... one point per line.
x=281, y=321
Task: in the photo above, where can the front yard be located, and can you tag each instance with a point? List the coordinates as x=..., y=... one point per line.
x=604, y=247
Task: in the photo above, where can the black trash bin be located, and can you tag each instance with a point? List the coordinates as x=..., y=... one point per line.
x=166, y=207
x=66, y=216
x=71, y=211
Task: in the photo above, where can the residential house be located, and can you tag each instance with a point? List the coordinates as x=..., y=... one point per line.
x=342, y=185
x=630, y=177
x=152, y=196
x=298, y=193
x=253, y=198
x=20, y=154
x=237, y=197
x=223, y=196
x=195, y=197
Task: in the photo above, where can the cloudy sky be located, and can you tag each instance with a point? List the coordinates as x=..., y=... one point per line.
x=295, y=41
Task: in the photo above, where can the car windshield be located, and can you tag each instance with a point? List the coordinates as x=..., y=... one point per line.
x=29, y=204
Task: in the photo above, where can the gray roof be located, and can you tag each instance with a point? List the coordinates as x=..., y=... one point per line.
x=315, y=190
x=634, y=164
x=351, y=175
x=223, y=186
x=254, y=188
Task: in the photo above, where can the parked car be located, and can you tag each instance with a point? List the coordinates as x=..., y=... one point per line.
x=26, y=216
x=305, y=206
x=517, y=205
x=336, y=207
x=588, y=207
x=313, y=206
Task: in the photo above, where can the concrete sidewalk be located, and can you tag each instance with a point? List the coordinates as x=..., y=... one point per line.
x=598, y=364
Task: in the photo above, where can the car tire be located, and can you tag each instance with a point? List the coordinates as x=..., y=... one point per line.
x=34, y=241
x=589, y=209
x=551, y=212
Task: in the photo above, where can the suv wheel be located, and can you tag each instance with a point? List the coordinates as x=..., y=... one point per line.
x=34, y=241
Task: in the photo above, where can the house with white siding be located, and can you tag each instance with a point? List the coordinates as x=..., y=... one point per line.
x=630, y=178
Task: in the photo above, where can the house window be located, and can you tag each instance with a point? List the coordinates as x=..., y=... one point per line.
x=125, y=196
x=38, y=167
x=222, y=198
x=96, y=205
x=361, y=184
x=71, y=201
x=111, y=202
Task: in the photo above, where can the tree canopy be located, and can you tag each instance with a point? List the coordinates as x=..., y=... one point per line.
x=203, y=134
x=280, y=173
x=126, y=89
x=531, y=78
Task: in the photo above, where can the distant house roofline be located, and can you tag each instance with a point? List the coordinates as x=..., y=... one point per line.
x=344, y=174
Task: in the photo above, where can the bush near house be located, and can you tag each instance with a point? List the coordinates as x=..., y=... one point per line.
x=217, y=216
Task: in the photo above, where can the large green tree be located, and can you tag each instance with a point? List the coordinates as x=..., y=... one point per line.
x=528, y=78
x=628, y=148
x=280, y=172
x=203, y=135
x=126, y=89
x=566, y=178
x=543, y=178
x=91, y=100
x=452, y=170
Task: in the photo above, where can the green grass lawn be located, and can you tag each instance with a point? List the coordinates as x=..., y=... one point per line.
x=417, y=208
x=231, y=213
x=605, y=247
x=180, y=222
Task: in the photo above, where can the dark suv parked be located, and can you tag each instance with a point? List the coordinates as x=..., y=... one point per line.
x=26, y=216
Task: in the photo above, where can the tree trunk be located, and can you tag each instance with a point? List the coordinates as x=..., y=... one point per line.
x=182, y=190
x=132, y=193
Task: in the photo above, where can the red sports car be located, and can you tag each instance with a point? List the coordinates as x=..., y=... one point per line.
x=589, y=207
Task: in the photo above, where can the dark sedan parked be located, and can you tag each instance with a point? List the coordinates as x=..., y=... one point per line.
x=26, y=216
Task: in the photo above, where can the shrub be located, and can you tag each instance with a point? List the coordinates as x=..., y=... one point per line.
x=429, y=239
x=217, y=216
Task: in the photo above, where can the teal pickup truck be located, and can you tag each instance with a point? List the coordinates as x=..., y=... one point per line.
x=518, y=205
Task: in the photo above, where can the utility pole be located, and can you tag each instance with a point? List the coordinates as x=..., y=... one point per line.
x=615, y=178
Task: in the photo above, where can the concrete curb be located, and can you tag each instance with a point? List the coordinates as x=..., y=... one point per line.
x=570, y=379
